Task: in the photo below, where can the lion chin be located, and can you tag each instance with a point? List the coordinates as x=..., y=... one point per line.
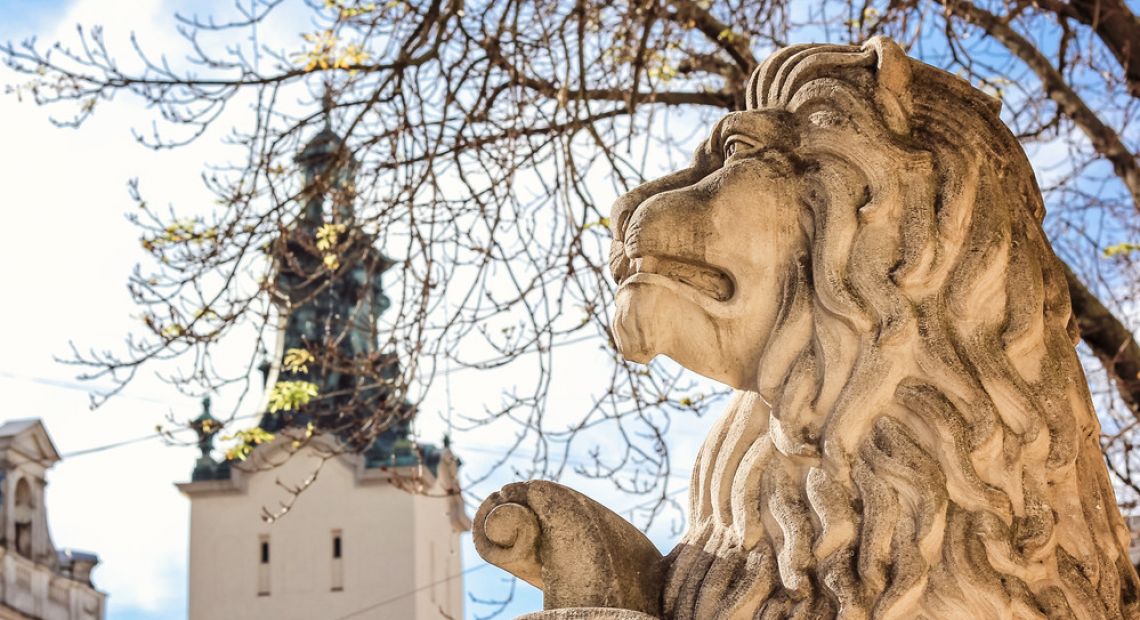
x=633, y=322
x=647, y=300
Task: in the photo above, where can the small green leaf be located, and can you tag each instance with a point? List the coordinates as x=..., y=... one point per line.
x=1121, y=249
x=248, y=439
x=291, y=395
x=603, y=223
x=327, y=236
x=297, y=360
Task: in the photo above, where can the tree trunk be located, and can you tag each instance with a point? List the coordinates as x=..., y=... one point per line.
x=1117, y=28
x=1111, y=342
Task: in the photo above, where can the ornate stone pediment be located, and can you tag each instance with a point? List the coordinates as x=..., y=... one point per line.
x=26, y=440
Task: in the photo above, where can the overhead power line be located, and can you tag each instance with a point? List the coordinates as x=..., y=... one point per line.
x=154, y=435
x=404, y=595
x=117, y=444
x=71, y=385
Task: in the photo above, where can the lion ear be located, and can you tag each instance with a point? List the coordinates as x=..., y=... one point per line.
x=892, y=72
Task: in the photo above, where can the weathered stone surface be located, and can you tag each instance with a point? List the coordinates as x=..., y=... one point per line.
x=860, y=255
x=578, y=552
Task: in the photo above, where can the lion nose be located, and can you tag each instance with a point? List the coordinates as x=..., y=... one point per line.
x=673, y=223
x=628, y=204
x=622, y=210
x=619, y=264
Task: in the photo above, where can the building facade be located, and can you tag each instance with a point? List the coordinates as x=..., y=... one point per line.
x=361, y=541
x=342, y=514
x=37, y=581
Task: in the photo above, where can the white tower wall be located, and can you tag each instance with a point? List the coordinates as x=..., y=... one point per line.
x=400, y=553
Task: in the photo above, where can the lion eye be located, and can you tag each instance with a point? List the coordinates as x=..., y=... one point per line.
x=735, y=145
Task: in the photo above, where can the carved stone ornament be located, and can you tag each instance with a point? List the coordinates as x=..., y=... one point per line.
x=860, y=255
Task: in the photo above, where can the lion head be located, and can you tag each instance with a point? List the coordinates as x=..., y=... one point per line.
x=860, y=254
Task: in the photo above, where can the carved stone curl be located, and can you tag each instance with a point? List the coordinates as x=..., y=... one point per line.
x=578, y=552
x=860, y=255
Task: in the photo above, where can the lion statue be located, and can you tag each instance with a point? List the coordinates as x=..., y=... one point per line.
x=860, y=255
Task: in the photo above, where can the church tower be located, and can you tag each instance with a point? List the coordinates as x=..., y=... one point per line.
x=372, y=518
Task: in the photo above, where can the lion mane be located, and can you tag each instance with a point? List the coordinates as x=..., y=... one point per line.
x=922, y=442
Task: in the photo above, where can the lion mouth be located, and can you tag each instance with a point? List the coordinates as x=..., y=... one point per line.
x=704, y=278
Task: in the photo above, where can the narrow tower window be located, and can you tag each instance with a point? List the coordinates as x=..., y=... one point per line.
x=337, y=563
x=263, y=566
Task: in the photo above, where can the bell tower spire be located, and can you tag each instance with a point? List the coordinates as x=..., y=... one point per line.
x=328, y=276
